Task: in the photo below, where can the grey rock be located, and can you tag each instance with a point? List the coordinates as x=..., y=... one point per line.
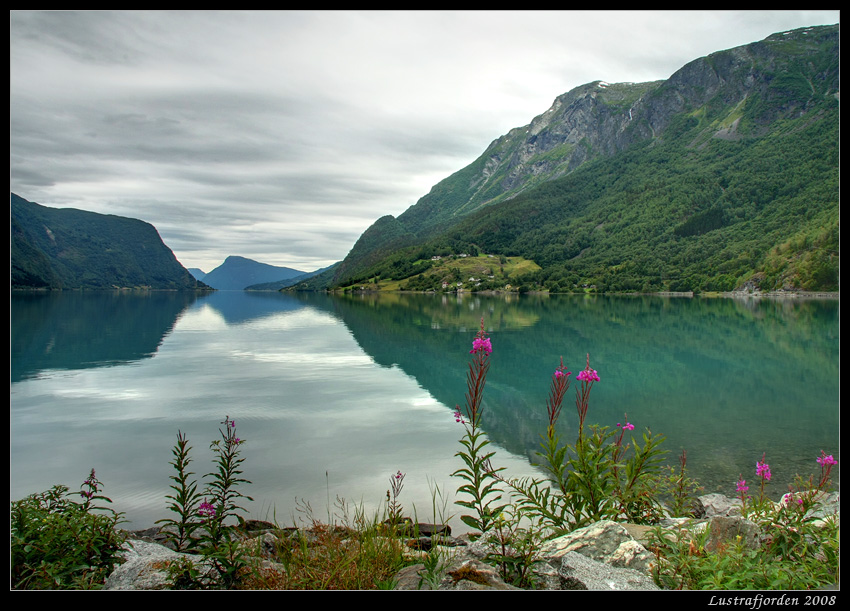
x=719, y=505
x=724, y=531
x=578, y=572
x=605, y=541
x=472, y=574
x=145, y=567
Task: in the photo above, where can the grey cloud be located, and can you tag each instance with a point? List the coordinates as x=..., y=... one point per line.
x=283, y=135
x=92, y=37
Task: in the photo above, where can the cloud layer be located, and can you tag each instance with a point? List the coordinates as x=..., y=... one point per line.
x=281, y=136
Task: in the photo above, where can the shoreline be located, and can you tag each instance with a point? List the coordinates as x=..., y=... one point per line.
x=689, y=294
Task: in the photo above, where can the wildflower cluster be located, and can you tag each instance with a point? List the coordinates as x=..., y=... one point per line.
x=57, y=543
x=826, y=461
x=208, y=512
x=594, y=479
x=794, y=551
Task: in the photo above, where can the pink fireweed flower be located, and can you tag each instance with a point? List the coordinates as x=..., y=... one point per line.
x=826, y=461
x=459, y=417
x=628, y=426
x=789, y=498
x=742, y=486
x=562, y=374
x=763, y=470
x=206, y=509
x=588, y=375
x=481, y=344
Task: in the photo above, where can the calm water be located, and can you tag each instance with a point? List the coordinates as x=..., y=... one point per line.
x=336, y=394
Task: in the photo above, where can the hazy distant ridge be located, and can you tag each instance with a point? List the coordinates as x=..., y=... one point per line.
x=237, y=273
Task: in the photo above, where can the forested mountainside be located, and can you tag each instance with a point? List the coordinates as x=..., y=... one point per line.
x=64, y=248
x=724, y=175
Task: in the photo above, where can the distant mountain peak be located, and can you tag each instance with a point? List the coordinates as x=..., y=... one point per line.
x=237, y=272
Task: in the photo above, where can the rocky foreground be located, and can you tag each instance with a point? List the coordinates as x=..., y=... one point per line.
x=603, y=556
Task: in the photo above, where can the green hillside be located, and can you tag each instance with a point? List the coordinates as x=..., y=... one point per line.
x=677, y=217
x=724, y=176
x=54, y=248
x=463, y=272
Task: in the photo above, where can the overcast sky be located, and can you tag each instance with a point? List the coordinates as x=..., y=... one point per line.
x=282, y=136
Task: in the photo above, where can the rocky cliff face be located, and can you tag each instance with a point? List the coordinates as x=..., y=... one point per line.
x=744, y=90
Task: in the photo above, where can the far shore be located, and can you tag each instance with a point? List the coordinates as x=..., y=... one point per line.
x=727, y=294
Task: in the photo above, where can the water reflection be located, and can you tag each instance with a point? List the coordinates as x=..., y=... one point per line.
x=77, y=330
x=359, y=386
x=726, y=380
x=238, y=307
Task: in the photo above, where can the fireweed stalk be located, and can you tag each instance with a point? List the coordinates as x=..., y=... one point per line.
x=681, y=487
x=546, y=502
x=742, y=491
x=394, y=508
x=222, y=488
x=763, y=473
x=826, y=463
x=553, y=452
x=218, y=545
x=481, y=478
x=620, y=451
x=184, y=501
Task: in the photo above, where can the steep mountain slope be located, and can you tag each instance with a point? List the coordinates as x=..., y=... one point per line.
x=749, y=104
x=68, y=249
x=236, y=273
